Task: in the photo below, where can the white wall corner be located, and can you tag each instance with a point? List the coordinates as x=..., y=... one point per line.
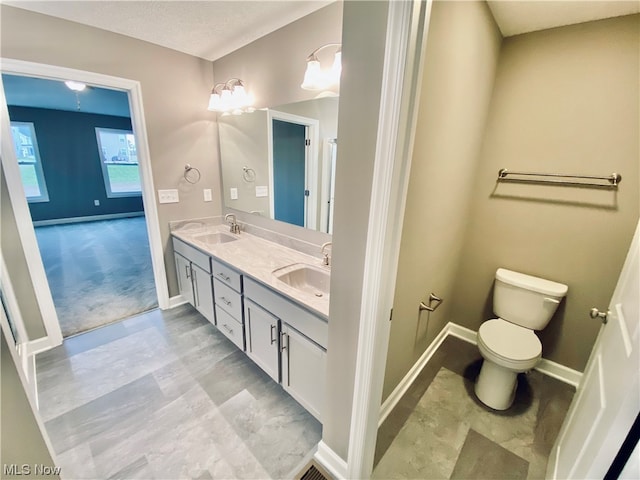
x=392, y=400
x=331, y=461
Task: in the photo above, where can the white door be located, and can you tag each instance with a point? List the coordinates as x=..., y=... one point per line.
x=608, y=397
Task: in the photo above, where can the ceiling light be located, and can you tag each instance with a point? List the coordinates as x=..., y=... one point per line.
x=75, y=86
x=230, y=97
x=315, y=78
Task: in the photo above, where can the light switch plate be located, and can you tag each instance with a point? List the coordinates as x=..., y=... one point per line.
x=207, y=194
x=168, y=196
x=233, y=192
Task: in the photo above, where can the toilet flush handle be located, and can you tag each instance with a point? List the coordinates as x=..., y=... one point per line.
x=552, y=300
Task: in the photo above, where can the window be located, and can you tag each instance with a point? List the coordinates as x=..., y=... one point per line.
x=119, y=161
x=26, y=147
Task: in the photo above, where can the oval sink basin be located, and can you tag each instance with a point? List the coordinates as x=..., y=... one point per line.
x=306, y=278
x=215, y=238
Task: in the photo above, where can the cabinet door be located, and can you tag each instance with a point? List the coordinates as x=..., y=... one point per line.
x=203, y=292
x=183, y=269
x=303, y=369
x=261, y=329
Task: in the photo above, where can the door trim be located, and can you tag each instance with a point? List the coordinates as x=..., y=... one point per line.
x=19, y=202
x=407, y=28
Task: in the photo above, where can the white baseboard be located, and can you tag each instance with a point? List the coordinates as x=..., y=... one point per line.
x=331, y=461
x=38, y=345
x=176, y=301
x=395, y=396
x=89, y=218
x=546, y=367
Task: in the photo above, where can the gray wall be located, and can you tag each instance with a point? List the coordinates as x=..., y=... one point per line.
x=22, y=441
x=566, y=100
x=364, y=32
x=175, y=91
x=272, y=69
x=462, y=53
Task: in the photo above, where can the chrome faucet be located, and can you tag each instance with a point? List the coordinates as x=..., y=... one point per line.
x=233, y=224
x=324, y=252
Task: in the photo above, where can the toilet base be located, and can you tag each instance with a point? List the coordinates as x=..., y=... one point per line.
x=496, y=386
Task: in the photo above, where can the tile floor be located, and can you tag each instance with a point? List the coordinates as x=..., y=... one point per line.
x=98, y=272
x=440, y=430
x=164, y=395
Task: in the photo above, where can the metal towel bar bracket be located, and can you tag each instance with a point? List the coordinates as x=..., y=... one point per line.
x=612, y=180
x=429, y=308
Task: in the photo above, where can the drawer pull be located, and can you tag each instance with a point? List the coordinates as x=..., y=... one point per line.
x=226, y=278
x=230, y=330
x=225, y=301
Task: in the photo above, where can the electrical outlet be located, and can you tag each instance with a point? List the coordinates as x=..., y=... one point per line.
x=207, y=194
x=168, y=196
x=96, y=203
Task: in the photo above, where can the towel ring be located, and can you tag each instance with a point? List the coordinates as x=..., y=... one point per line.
x=191, y=174
x=249, y=174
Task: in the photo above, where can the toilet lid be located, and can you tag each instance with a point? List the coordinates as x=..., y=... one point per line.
x=509, y=340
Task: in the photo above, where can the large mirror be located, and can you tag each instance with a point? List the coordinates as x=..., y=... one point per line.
x=280, y=162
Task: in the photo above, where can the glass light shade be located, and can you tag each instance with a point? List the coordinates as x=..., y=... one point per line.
x=225, y=100
x=336, y=69
x=75, y=86
x=240, y=97
x=214, y=102
x=314, y=78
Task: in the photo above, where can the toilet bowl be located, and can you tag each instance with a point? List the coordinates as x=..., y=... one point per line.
x=508, y=344
x=507, y=349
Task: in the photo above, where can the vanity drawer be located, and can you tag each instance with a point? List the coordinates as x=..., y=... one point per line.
x=228, y=299
x=196, y=256
x=227, y=275
x=230, y=328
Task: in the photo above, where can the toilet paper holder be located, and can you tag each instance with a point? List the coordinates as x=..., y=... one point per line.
x=430, y=308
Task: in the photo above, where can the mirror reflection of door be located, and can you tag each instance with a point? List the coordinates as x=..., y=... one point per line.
x=289, y=166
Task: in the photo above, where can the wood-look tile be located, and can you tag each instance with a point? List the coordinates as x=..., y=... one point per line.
x=138, y=469
x=482, y=458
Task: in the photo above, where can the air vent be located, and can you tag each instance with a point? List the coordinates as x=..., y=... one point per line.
x=313, y=471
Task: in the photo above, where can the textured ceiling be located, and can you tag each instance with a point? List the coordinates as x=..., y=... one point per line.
x=214, y=28
x=521, y=16
x=205, y=29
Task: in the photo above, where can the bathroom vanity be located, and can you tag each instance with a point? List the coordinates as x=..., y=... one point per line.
x=271, y=301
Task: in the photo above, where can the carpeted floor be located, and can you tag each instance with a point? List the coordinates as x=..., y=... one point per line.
x=98, y=272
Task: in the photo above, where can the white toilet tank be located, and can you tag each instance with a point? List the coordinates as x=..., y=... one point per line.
x=526, y=300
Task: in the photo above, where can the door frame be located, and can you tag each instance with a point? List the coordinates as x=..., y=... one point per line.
x=21, y=208
x=310, y=163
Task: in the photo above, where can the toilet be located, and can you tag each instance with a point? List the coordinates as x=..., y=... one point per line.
x=508, y=344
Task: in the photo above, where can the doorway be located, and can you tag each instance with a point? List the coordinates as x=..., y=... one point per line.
x=16, y=191
x=293, y=169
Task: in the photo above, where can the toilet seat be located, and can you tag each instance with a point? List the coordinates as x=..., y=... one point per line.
x=509, y=345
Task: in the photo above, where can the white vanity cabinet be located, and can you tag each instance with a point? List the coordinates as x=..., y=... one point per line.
x=194, y=278
x=303, y=369
x=299, y=350
x=262, y=338
x=227, y=288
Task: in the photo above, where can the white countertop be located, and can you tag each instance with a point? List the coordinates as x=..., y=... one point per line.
x=258, y=258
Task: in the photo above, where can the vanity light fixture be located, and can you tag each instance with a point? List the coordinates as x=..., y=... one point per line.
x=230, y=98
x=315, y=78
x=75, y=86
